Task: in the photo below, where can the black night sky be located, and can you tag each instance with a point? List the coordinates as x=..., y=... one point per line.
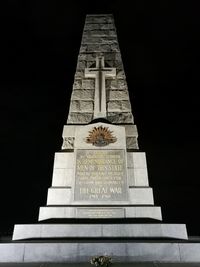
x=159, y=42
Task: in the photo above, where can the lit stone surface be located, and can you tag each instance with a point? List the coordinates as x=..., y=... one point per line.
x=159, y=252
x=99, y=230
x=63, y=177
x=64, y=196
x=63, y=160
x=137, y=177
x=59, y=196
x=71, y=212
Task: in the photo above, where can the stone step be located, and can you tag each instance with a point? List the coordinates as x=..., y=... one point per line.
x=99, y=231
x=101, y=212
x=83, y=252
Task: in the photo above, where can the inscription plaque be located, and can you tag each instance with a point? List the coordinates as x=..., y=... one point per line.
x=100, y=213
x=100, y=175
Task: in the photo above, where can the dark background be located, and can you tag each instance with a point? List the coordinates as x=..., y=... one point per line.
x=160, y=44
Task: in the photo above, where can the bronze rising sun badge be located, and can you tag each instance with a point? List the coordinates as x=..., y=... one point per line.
x=100, y=136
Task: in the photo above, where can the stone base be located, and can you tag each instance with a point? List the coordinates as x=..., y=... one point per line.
x=54, y=212
x=99, y=231
x=83, y=251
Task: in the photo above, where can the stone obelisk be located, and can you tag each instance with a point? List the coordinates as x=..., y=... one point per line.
x=83, y=185
x=100, y=182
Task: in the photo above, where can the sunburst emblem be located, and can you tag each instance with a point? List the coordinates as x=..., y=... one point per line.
x=100, y=136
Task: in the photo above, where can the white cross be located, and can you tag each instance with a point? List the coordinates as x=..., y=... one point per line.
x=100, y=73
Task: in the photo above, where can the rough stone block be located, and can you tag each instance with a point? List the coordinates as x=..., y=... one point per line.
x=68, y=143
x=83, y=95
x=81, y=64
x=99, y=48
x=77, y=84
x=79, y=118
x=119, y=106
x=99, y=19
x=81, y=106
x=132, y=143
x=88, y=84
x=120, y=117
x=118, y=95
x=83, y=48
x=99, y=40
x=131, y=130
x=121, y=74
x=100, y=33
x=121, y=84
x=111, y=84
x=94, y=26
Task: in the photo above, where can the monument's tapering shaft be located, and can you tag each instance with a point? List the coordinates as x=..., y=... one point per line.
x=100, y=75
x=100, y=89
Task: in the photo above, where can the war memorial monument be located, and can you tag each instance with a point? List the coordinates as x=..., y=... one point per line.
x=100, y=198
